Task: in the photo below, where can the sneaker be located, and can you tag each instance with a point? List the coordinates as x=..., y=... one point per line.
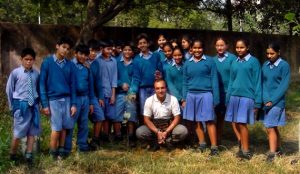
x=271, y=157
x=202, y=147
x=61, y=153
x=245, y=155
x=214, y=152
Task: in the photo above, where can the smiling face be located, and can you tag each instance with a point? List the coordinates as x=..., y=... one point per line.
x=177, y=56
x=160, y=90
x=106, y=52
x=143, y=45
x=127, y=52
x=81, y=57
x=62, y=50
x=241, y=49
x=161, y=41
x=197, y=49
x=221, y=47
x=272, y=55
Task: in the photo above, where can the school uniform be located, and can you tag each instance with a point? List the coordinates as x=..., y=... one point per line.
x=200, y=89
x=187, y=55
x=125, y=72
x=244, y=90
x=275, y=82
x=144, y=75
x=109, y=79
x=223, y=65
x=21, y=90
x=84, y=98
x=174, y=80
x=161, y=53
x=98, y=114
x=57, y=91
x=165, y=64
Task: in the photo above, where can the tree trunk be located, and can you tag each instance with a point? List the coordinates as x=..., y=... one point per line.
x=229, y=12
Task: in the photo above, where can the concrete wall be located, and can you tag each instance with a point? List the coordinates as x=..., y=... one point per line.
x=42, y=38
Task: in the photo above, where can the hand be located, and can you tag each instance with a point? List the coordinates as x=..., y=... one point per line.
x=112, y=100
x=269, y=104
x=164, y=135
x=125, y=86
x=73, y=111
x=46, y=111
x=91, y=109
x=160, y=137
x=101, y=103
x=183, y=103
x=157, y=75
x=131, y=97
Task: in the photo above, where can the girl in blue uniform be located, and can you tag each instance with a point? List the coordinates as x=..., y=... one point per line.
x=223, y=61
x=186, y=46
x=275, y=82
x=244, y=93
x=168, y=59
x=201, y=94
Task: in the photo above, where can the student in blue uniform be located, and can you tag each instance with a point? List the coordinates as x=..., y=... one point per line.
x=186, y=46
x=146, y=68
x=21, y=90
x=117, y=49
x=223, y=61
x=201, y=94
x=244, y=93
x=95, y=51
x=84, y=99
x=125, y=72
x=168, y=60
x=174, y=75
x=98, y=100
x=58, y=94
x=275, y=82
x=161, y=41
x=109, y=79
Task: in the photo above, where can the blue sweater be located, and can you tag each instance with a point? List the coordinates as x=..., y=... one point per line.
x=174, y=79
x=144, y=71
x=245, y=80
x=223, y=69
x=84, y=81
x=201, y=77
x=125, y=73
x=275, y=83
x=96, y=76
x=57, y=82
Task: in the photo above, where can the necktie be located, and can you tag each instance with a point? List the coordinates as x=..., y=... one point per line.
x=30, y=89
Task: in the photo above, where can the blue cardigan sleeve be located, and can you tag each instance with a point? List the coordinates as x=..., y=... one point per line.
x=136, y=77
x=170, y=83
x=215, y=83
x=283, y=86
x=95, y=69
x=185, y=81
x=73, y=84
x=258, y=85
x=43, y=83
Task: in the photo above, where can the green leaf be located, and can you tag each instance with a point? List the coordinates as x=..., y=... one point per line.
x=290, y=16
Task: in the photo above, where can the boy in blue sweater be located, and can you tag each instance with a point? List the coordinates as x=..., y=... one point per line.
x=84, y=99
x=22, y=96
x=146, y=68
x=58, y=94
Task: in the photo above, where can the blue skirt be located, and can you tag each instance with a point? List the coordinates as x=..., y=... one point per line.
x=274, y=117
x=240, y=110
x=199, y=107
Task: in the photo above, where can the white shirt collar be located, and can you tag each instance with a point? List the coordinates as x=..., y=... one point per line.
x=167, y=99
x=246, y=58
x=122, y=60
x=276, y=63
x=195, y=60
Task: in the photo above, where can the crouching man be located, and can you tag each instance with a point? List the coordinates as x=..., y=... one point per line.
x=161, y=118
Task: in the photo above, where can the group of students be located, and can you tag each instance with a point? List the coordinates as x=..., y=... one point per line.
x=105, y=82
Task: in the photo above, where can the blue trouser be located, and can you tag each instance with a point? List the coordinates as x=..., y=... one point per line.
x=81, y=118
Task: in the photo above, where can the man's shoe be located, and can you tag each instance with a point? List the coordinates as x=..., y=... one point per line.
x=94, y=144
x=154, y=147
x=29, y=159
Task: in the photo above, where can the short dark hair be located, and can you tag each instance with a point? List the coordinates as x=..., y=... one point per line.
x=159, y=80
x=65, y=40
x=142, y=36
x=200, y=41
x=129, y=44
x=28, y=51
x=106, y=43
x=94, y=44
x=84, y=49
x=275, y=46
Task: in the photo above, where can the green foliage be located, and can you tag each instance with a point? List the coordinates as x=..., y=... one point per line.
x=292, y=18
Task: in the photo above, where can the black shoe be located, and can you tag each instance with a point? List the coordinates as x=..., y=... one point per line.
x=245, y=155
x=86, y=150
x=131, y=141
x=214, y=152
x=61, y=153
x=104, y=138
x=53, y=153
x=29, y=159
x=202, y=147
x=13, y=157
x=270, y=157
x=118, y=138
x=279, y=152
x=94, y=144
x=154, y=147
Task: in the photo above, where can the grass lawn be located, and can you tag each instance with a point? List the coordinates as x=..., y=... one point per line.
x=118, y=159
